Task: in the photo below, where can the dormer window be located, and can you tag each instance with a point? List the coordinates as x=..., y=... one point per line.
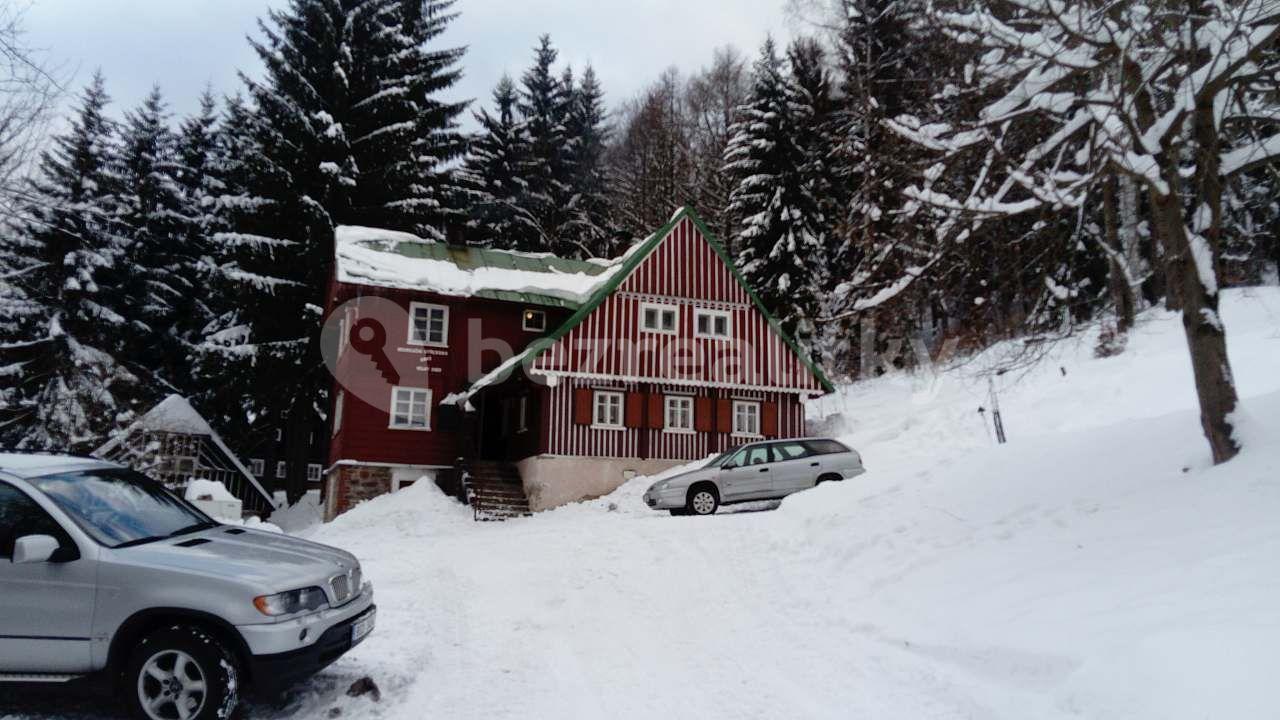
x=534, y=320
x=659, y=318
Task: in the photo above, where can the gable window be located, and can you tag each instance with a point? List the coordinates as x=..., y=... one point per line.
x=282, y=469
x=607, y=409
x=257, y=467
x=714, y=324
x=679, y=413
x=659, y=318
x=410, y=408
x=746, y=418
x=534, y=320
x=313, y=472
x=428, y=324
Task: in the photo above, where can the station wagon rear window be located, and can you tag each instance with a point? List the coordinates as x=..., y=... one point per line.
x=825, y=447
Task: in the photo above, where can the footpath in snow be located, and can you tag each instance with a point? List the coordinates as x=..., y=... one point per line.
x=1096, y=566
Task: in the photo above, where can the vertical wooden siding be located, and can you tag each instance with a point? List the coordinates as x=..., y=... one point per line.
x=565, y=437
x=684, y=271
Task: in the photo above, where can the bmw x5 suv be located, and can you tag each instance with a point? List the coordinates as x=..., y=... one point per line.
x=106, y=575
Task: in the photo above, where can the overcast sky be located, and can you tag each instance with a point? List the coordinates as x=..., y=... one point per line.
x=185, y=44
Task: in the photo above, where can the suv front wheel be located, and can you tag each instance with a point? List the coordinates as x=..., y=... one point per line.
x=182, y=673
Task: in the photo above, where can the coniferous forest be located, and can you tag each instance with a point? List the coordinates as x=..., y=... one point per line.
x=908, y=171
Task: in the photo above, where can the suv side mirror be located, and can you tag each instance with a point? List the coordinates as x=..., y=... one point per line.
x=728, y=466
x=34, y=549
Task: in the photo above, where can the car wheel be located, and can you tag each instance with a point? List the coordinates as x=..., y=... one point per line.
x=703, y=500
x=829, y=477
x=182, y=673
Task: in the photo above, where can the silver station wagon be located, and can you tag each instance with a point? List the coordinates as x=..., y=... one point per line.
x=764, y=470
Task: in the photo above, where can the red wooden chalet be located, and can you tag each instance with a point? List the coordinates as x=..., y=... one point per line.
x=530, y=378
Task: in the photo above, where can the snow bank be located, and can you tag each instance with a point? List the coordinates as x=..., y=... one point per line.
x=199, y=489
x=300, y=517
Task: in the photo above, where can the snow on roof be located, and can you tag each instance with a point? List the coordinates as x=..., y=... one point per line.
x=387, y=258
x=174, y=414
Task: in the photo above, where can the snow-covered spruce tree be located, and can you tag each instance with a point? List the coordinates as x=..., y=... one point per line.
x=335, y=134
x=544, y=104
x=157, y=274
x=200, y=176
x=589, y=230
x=493, y=176
x=1145, y=89
x=67, y=384
x=402, y=135
x=782, y=240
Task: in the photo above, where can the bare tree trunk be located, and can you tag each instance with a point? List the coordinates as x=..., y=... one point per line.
x=1206, y=339
x=1118, y=275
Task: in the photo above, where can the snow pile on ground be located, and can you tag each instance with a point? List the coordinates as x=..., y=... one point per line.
x=302, y=516
x=199, y=489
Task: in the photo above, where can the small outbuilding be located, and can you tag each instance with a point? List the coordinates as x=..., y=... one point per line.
x=173, y=444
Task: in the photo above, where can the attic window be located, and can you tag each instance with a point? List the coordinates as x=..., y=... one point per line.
x=714, y=324
x=659, y=318
x=534, y=320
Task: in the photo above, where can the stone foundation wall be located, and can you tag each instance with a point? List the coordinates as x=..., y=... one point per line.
x=347, y=485
x=552, y=481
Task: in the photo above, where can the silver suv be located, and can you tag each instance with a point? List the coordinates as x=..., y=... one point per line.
x=105, y=575
x=758, y=471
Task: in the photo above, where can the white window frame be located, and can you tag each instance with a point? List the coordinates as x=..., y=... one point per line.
x=670, y=402
x=279, y=435
x=532, y=313
x=608, y=396
x=661, y=308
x=337, y=412
x=412, y=339
x=699, y=313
x=313, y=472
x=522, y=414
x=740, y=430
x=257, y=467
x=282, y=469
x=413, y=393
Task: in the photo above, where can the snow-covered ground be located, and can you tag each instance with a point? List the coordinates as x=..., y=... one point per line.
x=1096, y=566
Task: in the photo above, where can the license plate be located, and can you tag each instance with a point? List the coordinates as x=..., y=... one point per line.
x=362, y=627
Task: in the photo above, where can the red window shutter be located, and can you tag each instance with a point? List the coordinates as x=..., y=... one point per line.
x=656, y=411
x=769, y=419
x=582, y=399
x=702, y=414
x=724, y=415
x=633, y=413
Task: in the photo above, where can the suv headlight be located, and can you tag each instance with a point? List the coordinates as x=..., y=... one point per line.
x=292, y=601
